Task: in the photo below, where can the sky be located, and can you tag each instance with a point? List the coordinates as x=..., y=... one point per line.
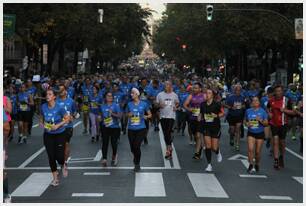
x=158, y=6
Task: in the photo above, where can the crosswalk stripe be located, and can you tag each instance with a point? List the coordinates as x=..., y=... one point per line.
x=163, y=147
x=96, y=173
x=87, y=194
x=299, y=179
x=30, y=159
x=149, y=185
x=270, y=197
x=98, y=156
x=253, y=176
x=206, y=185
x=34, y=185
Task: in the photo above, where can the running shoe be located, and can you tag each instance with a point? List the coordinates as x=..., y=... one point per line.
x=114, y=160
x=237, y=148
x=8, y=199
x=219, y=157
x=168, y=155
x=209, y=168
x=190, y=142
x=24, y=139
x=250, y=169
x=197, y=156
x=92, y=139
x=276, y=164
x=231, y=141
x=65, y=170
x=85, y=131
x=293, y=137
x=19, y=139
x=137, y=168
x=104, y=163
x=156, y=129
x=54, y=183
x=257, y=168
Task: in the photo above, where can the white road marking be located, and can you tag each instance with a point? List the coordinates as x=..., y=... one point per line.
x=87, y=194
x=34, y=185
x=96, y=173
x=254, y=176
x=149, y=185
x=98, y=156
x=293, y=153
x=91, y=168
x=245, y=163
x=30, y=159
x=267, y=197
x=176, y=163
x=242, y=158
x=163, y=147
x=299, y=179
x=82, y=158
x=76, y=124
x=206, y=185
x=81, y=161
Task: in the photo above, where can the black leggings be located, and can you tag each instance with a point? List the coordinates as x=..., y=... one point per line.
x=135, y=138
x=113, y=134
x=167, y=125
x=55, y=146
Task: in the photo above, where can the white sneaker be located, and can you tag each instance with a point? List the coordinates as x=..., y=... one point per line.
x=219, y=157
x=190, y=143
x=253, y=170
x=208, y=168
x=54, y=183
x=8, y=199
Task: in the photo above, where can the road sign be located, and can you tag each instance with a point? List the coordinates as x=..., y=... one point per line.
x=298, y=28
x=9, y=21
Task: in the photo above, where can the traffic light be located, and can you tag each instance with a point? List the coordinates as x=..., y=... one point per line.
x=209, y=12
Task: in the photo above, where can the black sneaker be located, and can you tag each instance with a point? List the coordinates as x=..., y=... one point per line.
x=281, y=162
x=137, y=168
x=156, y=129
x=19, y=139
x=92, y=139
x=24, y=139
x=276, y=164
x=250, y=169
x=197, y=156
x=232, y=141
x=146, y=141
x=257, y=168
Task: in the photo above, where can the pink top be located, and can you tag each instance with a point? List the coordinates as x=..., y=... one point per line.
x=4, y=105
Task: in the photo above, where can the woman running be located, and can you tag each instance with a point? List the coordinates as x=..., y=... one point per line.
x=136, y=110
x=192, y=105
x=95, y=100
x=256, y=119
x=53, y=118
x=111, y=114
x=211, y=112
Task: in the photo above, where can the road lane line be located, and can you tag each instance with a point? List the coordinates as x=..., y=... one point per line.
x=91, y=168
x=87, y=194
x=163, y=147
x=293, y=153
x=267, y=197
x=96, y=173
x=206, y=185
x=299, y=179
x=253, y=176
x=81, y=161
x=98, y=156
x=30, y=159
x=149, y=185
x=176, y=163
x=82, y=158
x=34, y=185
x=76, y=124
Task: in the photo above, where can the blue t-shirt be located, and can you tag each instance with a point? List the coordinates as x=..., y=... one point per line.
x=293, y=96
x=13, y=99
x=125, y=88
x=182, y=98
x=107, y=120
x=53, y=116
x=86, y=91
x=252, y=93
x=95, y=101
x=137, y=121
x=264, y=102
x=119, y=97
x=71, y=92
x=251, y=115
x=235, y=100
x=23, y=99
x=32, y=91
x=69, y=106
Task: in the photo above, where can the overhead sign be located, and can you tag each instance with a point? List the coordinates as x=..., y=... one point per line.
x=9, y=21
x=298, y=28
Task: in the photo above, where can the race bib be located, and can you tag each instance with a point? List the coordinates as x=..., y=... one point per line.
x=209, y=117
x=48, y=126
x=168, y=102
x=254, y=123
x=135, y=120
x=23, y=107
x=108, y=121
x=94, y=105
x=85, y=108
x=195, y=112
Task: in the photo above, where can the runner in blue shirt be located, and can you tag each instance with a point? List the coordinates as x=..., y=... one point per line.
x=86, y=91
x=256, y=118
x=111, y=114
x=182, y=115
x=125, y=87
x=54, y=118
x=137, y=110
x=152, y=92
x=69, y=106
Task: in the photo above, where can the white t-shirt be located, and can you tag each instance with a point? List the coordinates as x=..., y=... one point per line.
x=169, y=99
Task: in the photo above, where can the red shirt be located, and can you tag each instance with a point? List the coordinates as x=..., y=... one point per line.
x=278, y=118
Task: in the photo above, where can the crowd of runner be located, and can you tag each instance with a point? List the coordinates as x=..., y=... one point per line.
x=113, y=104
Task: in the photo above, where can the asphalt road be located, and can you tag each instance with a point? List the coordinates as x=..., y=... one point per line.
x=181, y=180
